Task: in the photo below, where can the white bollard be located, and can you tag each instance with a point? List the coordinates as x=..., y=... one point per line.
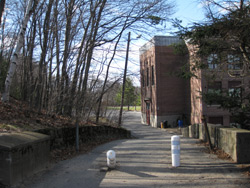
x=111, y=159
x=175, y=149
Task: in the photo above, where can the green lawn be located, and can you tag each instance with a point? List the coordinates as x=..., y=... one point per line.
x=125, y=108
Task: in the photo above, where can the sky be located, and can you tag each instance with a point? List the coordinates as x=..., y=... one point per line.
x=188, y=11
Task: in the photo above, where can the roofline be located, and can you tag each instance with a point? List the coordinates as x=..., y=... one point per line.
x=160, y=40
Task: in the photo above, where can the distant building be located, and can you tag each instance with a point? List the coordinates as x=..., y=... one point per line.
x=169, y=98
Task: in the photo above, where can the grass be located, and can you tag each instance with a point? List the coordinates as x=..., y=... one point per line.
x=9, y=128
x=125, y=108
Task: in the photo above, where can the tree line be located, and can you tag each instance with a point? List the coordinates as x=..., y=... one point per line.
x=60, y=52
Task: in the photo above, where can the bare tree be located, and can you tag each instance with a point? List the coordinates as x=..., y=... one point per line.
x=42, y=63
x=14, y=58
x=2, y=5
x=59, y=49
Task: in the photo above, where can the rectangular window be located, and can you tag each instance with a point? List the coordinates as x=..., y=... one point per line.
x=213, y=61
x=234, y=89
x=142, y=80
x=214, y=89
x=234, y=62
x=153, y=75
x=147, y=77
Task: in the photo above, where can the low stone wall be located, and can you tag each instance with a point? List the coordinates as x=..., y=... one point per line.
x=236, y=143
x=64, y=137
x=233, y=141
x=185, y=131
x=213, y=132
x=21, y=155
x=194, y=131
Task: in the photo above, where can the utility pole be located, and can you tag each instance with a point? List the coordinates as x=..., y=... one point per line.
x=124, y=81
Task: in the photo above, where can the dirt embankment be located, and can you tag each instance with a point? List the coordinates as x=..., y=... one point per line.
x=17, y=116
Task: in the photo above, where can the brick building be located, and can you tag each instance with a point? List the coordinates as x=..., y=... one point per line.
x=166, y=97
x=222, y=75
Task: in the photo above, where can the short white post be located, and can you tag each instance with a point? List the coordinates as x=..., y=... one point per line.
x=175, y=149
x=111, y=159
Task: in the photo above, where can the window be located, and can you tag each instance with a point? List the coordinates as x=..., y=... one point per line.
x=153, y=75
x=213, y=61
x=214, y=92
x=234, y=89
x=214, y=87
x=142, y=79
x=234, y=62
x=147, y=77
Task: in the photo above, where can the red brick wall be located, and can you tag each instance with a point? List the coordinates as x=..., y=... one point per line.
x=170, y=94
x=175, y=96
x=170, y=89
x=199, y=108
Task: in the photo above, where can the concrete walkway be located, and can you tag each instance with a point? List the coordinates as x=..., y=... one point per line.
x=143, y=162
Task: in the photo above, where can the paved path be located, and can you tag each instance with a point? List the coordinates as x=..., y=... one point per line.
x=143, y=162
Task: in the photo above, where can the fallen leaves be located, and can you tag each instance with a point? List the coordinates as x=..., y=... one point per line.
x=216, y=151
x=21, y=116
x=70, y=152
x=17, y=116
x=245, y=169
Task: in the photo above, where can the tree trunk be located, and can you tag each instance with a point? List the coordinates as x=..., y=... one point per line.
x=50, y=88
x=63, y=103
x=56, y=35
x=14, y=59
x=42, y=66
x=79, y=63
x=2, y=36
x=31, y=46
x=94, y=30
x=2, y=5
x=105, y=81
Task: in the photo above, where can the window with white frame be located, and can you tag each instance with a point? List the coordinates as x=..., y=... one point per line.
x=213, y=61
x=234, y=62
x=234, y=89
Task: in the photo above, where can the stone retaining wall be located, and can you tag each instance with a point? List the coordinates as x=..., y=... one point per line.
x=21, y=155
x=235, y=142
x=65, y=137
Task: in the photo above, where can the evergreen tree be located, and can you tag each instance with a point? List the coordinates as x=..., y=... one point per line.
x=225, y=33
x=130, y=97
